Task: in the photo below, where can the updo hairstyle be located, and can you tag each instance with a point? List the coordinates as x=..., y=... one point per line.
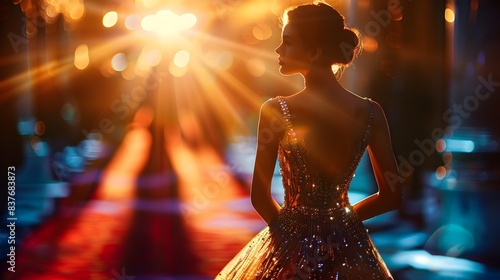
x=320, y=25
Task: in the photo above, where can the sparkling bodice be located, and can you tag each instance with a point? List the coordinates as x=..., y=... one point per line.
x=312, y=190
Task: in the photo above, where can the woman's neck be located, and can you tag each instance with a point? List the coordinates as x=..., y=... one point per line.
x=320, y=79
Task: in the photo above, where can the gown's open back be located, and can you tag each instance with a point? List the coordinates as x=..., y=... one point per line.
x=317, y=234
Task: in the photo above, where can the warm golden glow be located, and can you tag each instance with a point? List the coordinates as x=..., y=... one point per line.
x=153, y=57
x=177, y=71
x=148, y=3
x=262, y=32
x=363, y=4
x=166, y=22
x=370, y=44
x=128, y=73
x=220, y=59
x=77, y=11
x=73, y=10
x=256, y=67
x=187, y=21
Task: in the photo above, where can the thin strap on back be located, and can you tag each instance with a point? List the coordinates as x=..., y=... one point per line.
x=286, y=116
x=370, y=122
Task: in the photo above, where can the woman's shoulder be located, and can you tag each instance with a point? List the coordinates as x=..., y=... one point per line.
x=278, y=101
x=272, y=107
x=364, y=102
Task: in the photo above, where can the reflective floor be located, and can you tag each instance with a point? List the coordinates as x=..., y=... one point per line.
x=184, y=217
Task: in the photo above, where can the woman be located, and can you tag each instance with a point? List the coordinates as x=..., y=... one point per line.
x=319, y=135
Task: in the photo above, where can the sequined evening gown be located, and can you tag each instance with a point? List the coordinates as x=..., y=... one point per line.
x=316, y=235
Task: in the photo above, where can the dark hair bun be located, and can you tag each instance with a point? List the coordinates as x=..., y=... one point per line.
x=321, y=25
x=347, y=47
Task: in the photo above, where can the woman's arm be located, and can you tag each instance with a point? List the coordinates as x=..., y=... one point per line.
x=385, y=168
x=269, y=133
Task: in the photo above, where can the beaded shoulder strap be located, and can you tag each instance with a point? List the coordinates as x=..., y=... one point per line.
x=286, y=116
x=370, y=120
x=361, y=145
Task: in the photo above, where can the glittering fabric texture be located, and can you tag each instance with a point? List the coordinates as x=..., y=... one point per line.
x=316, y=235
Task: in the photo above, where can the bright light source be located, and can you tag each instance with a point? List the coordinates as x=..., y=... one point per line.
x=449, y=15
x=166, y=22
x=119, y=62
x=110, y=19
x=181, y=58
x=81, y=59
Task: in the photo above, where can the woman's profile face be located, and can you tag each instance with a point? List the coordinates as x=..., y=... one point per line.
x=293, y=55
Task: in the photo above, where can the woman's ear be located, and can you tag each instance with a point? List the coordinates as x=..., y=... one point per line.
x=315, y=54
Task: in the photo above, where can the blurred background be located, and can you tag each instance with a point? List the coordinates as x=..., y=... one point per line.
x=128, y=133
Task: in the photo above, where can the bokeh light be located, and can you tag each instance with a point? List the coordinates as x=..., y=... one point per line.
x=447, y=157
x=370, y=44
x=181, y=58
x=395, y=10
x=440, y=145
x=81, y=60
x=153, y=57
x=440, y=172
x=262, y=32
x=76, y=11
x=148, y=22
x=110, y=19
x=68, y=112
x=119, y=62
x=40, y=128
x=148, y=57
x=449, y=15
x=133, y=22
x=221, y=60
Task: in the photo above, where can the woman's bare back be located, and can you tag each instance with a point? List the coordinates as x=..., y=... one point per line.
x=329, y=128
